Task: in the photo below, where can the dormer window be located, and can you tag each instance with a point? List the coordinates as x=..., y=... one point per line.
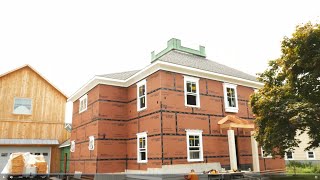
x=141, y=95
x=230, y=97
x=83, y=103
x=191, y=91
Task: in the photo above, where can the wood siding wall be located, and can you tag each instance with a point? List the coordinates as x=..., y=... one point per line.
x=48, y=110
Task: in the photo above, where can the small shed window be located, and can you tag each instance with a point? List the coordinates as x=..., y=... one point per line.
x=22, y=106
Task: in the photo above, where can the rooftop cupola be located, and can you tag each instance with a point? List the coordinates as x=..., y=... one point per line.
x=175, y=44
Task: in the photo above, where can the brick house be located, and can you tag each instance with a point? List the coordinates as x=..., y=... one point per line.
x=180, y=109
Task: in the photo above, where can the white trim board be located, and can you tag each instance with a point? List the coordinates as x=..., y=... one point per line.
x=160, y=65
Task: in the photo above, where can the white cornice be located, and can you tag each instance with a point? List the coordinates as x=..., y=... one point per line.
x=160, y=65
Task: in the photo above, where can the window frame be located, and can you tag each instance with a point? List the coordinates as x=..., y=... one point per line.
x=14, y=102
x=83, y=98
x=314, y=155
x=142, y=135
x=286, y=156
x=263, y=156
x=139, y=84
x=194, y=132
x=225, y=94
x=196, y=81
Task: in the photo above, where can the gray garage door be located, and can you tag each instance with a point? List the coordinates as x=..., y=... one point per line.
x=7, y=150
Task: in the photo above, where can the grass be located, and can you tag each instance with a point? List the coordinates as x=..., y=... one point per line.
x=305, y=168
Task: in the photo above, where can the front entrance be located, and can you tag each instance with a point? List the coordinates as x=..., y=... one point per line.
x=239, y=144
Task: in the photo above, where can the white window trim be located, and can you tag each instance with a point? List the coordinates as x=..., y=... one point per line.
x=194, y=132
x=195, y=80
x=139, y=84
x=262, y=155
x=85, y=97
x=72, y=146
x=14, y=100
x=226, y=104
x=314, y=155
x=142, y=135
x=286, y=157
x=91, y=143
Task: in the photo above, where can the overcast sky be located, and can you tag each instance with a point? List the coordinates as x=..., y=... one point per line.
x=69, y=42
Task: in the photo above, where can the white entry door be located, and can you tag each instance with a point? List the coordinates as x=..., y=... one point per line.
x=5, y=152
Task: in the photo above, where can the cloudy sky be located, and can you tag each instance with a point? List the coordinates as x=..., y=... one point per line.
x=70, y=41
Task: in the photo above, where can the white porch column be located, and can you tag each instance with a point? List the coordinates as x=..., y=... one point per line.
x=255, y=154
x=232, y=150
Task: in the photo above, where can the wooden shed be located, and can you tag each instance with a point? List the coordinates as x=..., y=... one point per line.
x=32, y=115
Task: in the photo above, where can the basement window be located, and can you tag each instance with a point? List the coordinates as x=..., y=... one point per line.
x=191, y=91
x=230, y=97
x=289, y=156
x=83, y=103
x=22, y=106
x=311, y=155
x=142, y=148
x=194, y=145
x=91, y=143
x=142, y=95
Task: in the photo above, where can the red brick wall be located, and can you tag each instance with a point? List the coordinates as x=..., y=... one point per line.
x=112, y=118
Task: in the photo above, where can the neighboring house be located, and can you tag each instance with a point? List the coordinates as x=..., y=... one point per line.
x=180, y=109
x=32, y=115
x=300, y=155
x=65, y=156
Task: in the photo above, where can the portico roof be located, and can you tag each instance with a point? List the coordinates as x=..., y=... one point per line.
x=232, y=121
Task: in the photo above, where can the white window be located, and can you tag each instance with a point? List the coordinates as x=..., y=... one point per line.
x=83, y=103
x=141, y=95
x=91, y=143
x=22, y=106
x=72, y=146
x=289, y=156
x=264, y=154
x=142, y=147
x=311, y=155
x=191, y=91
x=230, y=97
x=194, y=145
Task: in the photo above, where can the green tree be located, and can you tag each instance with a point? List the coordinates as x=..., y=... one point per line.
x=289, y=102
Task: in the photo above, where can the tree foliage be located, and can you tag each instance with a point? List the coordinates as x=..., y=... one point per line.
x=289, y=102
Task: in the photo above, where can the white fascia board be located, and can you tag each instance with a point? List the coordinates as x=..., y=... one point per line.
x=160, y=65
x=93, y=83
x=209, y=75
